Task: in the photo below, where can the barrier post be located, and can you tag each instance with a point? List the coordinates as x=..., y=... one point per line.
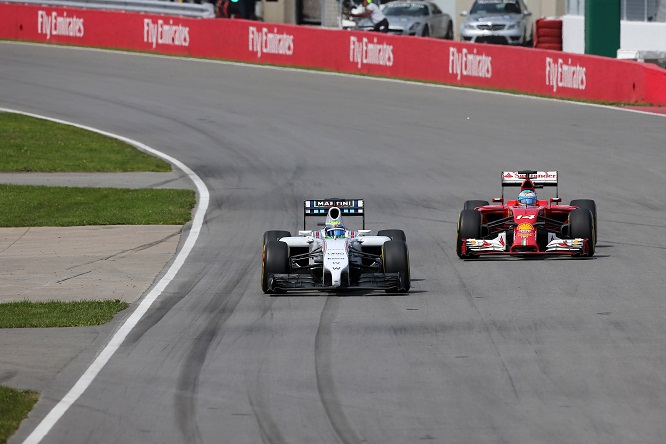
x=602, y=27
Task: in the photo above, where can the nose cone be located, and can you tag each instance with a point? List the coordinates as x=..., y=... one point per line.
x=336, y=261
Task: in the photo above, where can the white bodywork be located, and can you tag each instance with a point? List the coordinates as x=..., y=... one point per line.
x=334, y=252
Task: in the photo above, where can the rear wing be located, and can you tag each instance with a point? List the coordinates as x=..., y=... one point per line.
x=538, y=179
x=320, y=207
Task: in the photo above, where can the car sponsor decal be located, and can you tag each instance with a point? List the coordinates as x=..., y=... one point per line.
x=525, y=230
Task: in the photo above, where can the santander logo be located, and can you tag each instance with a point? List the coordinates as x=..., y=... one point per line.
x=54, y=24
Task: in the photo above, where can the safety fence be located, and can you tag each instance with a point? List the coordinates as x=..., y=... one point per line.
x=631, y=10
x=186, y=9
x=527, y=70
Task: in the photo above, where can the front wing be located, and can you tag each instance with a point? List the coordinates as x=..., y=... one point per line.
x=366, y=281
x=498, y=246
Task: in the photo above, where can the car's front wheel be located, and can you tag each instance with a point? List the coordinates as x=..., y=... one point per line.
x=471, y=204
x=581, y=224
x=393, y=234
x=274, y=260
x=591, y=205
x=469, y=227
x=395, y=259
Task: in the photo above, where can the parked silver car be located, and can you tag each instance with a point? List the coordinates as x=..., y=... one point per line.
x=418, y=17
x=506, y=22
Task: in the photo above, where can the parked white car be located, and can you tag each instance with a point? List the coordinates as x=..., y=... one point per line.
x=506, y=22
x=419, y=17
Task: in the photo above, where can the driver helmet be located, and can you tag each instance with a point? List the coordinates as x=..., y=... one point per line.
x=335, y=230
x=527, y=197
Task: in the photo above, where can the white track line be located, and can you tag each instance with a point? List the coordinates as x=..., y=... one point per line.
x=98, y=364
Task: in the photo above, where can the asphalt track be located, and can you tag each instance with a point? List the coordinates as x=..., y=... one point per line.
x=493, y=351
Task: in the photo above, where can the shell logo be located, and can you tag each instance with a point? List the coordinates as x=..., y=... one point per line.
x=525, y=230
x=525, y=227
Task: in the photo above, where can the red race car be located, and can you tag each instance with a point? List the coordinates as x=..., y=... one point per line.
x=527, y=226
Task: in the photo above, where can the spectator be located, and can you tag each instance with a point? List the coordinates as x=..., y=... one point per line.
x=379, y=21
x=222, y=9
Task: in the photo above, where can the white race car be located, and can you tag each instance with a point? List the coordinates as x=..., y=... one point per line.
x=334, y=258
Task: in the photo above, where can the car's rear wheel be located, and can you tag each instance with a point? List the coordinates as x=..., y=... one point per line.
x=393, y=234
x=275, y=260
x=591, y=205
x=471, y=204
x=395, y=259
x=469, y=227
x=581, y=224
x=426, y=31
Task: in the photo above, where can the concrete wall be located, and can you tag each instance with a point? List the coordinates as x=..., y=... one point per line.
x=642, y=36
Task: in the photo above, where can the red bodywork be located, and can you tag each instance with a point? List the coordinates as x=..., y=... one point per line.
x=524, y=220
x=511, y=228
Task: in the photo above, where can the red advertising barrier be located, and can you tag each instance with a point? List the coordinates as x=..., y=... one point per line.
x=528, y=70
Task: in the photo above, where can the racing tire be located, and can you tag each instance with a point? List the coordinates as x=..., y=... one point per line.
x=549, y=41
x=425, y=32
x=273, y=235
x=471, y=204
x=549, y=32
x=550, y=24
x=581, y=224
x=275, y=260
x=393, y=234
x=591, y=205
x=395, y=259
x=469, y=226
x=550, y=46
x=449, y=32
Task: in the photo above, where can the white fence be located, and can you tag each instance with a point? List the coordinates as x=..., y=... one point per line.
x=631, y=10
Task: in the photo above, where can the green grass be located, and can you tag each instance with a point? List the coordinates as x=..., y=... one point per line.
x=14, y=408
x=31, y=144
x=40, y=206
x=26, y=314
x=28, y=144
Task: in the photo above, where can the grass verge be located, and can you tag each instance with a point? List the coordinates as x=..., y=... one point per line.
x=26, y=314
x=40, y=206
x=31, y=144
x=14, y=408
